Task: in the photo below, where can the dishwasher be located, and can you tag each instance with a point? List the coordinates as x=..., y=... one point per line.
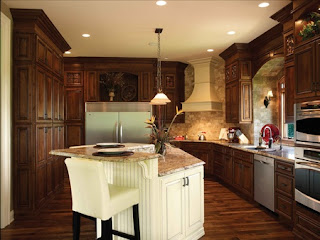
x=264, y=181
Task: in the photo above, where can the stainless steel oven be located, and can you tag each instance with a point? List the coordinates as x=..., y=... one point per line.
x=307, y=118
x=307, y=177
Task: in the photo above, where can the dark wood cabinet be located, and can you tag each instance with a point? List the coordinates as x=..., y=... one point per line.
x=91, y=86
x=317, y=64
x=145, y=87
x=74, y=104
x=74, y=134
x=289, y=92
x=38, y=89
x=202, y=151
x=284, y=190
x=304, y=61
x=245, y=101
x=232, y=102
x=243, y=172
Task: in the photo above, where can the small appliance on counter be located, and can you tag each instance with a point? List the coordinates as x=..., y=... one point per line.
x=232, y=137
x=202, y=136
x=223, y=134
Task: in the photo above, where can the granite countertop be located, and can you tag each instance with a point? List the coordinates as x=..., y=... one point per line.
x=176, y=160
x=286, y=154
x=88, y=150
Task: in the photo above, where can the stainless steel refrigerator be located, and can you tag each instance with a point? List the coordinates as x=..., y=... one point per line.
x=117, y=122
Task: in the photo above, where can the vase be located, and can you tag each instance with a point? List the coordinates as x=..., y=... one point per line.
x=163, y=149
x=111, y=95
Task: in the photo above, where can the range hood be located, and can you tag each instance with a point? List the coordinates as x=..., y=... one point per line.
x=203, y=97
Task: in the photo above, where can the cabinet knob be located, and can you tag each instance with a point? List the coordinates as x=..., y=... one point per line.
x=45, y=116
x=45, y=130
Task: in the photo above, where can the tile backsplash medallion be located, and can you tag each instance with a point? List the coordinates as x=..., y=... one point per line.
x=211, y=122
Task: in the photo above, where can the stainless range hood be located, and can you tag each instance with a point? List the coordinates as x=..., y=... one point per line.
x=203, y=97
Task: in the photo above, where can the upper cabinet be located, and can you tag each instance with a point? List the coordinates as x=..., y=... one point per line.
x=238, y=76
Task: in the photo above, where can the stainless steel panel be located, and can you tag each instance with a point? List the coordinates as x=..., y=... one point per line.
x=307, y=201
x=118, y=107
x=311, y=139
x=101, y=127
x=264, y=181
x=133, y=127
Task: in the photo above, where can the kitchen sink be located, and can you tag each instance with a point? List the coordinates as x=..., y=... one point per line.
x=260, y=149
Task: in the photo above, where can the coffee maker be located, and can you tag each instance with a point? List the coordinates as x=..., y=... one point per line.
x=232, y=136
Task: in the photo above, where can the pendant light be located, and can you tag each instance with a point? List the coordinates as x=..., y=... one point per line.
x=160, y=98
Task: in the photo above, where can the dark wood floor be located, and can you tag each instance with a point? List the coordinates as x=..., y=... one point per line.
x=227, y=216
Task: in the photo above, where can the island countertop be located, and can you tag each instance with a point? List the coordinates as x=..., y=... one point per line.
x=174, y=161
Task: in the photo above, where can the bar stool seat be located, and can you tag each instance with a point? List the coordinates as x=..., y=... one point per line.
x=94, y=198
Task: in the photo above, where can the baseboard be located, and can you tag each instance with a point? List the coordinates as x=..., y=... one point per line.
x=11, y=216
x=196, y=235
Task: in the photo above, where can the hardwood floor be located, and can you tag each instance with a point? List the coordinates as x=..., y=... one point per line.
x=227, y=216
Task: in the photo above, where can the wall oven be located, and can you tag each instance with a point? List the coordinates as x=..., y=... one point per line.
x=307, y=177
x=307, y=118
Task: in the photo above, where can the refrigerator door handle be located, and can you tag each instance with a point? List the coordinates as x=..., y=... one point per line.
x=120, y=132
x=117, y=133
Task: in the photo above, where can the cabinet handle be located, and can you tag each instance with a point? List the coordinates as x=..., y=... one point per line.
x=184, y=182
x=45, y=130
x=45, y=116
x=59, y=128
x=283, y=184
x=283, y=168
x=283, y=206
x=59, y=117
x=187, y=181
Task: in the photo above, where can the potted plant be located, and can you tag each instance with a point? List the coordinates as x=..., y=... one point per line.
x=160, y=137
x=110, y=81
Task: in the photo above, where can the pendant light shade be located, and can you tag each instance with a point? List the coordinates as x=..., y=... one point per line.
x=160, y=98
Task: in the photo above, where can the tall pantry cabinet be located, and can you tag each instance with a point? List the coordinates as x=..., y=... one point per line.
x=38, y=107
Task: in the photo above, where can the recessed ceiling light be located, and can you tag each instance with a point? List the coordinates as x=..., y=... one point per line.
x=166, y=58
x=161, y=3
x=67, y=52
x=210, y=50
x=231, y=32
x=152, y=44
x=86, y=35
x=264, y=4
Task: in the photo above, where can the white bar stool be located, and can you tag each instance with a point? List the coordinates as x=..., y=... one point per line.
x=93, y=197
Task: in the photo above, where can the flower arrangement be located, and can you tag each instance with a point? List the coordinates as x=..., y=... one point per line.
x=112, y=79
x=160, y=137
x=312, y=27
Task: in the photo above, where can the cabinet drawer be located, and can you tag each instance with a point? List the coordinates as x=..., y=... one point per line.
x=284, y=184
x=307, y=222
x=284, y=206
x=284, y=167
x=228, y=151
x=218, y=157
x=196, y=146
x=245, y=156
x=218, y=148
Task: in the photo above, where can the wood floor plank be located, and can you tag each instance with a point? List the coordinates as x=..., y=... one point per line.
x=227, y=216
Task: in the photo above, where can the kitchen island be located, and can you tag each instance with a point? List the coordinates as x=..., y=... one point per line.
x=171, y=189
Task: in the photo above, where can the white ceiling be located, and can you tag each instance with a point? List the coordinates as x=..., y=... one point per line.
x=125, y=28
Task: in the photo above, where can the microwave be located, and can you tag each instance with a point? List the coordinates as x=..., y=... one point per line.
x=307, y=123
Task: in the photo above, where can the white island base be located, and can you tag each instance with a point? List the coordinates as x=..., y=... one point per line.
x=168, y=208
x=171, y=192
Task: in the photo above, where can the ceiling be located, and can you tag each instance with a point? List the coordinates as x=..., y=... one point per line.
x=125, y=28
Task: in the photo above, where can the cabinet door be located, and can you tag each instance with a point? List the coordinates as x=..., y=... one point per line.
x=91, y=87
x=228, y=168
x=173, y=208
x=247, y=178
x=41, y=94
x=41, y=51
x=41, y=180
x=235, y=102
x=317, y=80
x=289, y=92
x=49, y=55
x=55, y=94
x=57, y=63
x=48, y=103
x=228, y=103
x=145, y=89
x=74, y=135
x=50, y=177
x=304, y=71
x=61, y=102
x=41, y=145
x=237, y=169
x=74, y=104
x=194, y=200
x=245, y=101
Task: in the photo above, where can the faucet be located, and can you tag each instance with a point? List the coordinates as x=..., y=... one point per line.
x=280, y=138
x=270, y=136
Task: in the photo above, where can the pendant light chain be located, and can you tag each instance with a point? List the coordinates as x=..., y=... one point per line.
x=159, y=86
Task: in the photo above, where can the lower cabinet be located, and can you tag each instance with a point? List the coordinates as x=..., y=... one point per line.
x=182, y=205
x=243, y=172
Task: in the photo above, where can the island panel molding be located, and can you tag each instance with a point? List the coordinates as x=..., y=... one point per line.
x=38, y=106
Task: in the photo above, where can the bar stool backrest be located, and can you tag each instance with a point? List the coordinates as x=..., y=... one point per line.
x=89, y=187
